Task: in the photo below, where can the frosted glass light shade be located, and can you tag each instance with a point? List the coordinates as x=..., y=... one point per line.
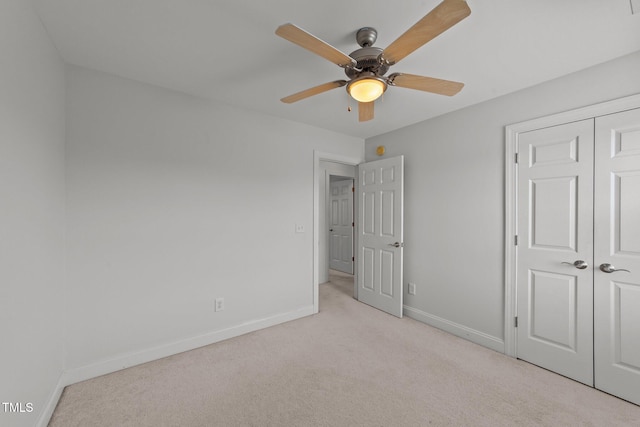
x=366, y=90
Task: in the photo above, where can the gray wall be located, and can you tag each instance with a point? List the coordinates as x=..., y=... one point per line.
x=454, y=196
x=174, y=201
x=32, y=223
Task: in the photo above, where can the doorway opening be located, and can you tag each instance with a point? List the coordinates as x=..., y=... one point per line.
x=330, y=167
x=340, y=251
x=378, y=228
x=340, y=281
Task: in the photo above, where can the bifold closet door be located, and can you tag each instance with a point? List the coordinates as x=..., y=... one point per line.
x=617, y=248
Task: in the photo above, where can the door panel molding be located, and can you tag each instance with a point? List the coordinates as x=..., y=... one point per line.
x=626, y=355
x=543, y=191
x=512, y=133
x=543, y=286
x=626, y=235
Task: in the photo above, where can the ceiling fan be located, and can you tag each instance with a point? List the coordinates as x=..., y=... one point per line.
x=367, y=66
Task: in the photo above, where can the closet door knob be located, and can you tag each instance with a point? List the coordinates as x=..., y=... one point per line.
x=608, y=268
x=579, y=264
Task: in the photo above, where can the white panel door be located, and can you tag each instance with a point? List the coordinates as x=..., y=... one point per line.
x=617, y=243
x=341, y=226
x=555, y=228
x=380, y=234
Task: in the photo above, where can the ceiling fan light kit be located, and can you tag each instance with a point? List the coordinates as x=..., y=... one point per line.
x=366, y=67
x=366, y=88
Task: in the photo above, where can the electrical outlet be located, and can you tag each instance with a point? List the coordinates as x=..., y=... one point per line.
x=412, y=288
x=219, y=304
x=299, y=228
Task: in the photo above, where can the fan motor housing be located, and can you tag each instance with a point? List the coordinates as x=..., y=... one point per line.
x=367, y=60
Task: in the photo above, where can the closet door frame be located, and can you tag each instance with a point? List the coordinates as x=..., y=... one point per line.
x=511, y=214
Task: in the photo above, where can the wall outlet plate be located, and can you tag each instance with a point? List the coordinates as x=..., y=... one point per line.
x=219, y=304
x=412, y=288
x=299, y=228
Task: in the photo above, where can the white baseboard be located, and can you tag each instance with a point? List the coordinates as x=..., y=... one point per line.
x=45, y=415
x=121, y=362
x=126, y=361
x=456, y=329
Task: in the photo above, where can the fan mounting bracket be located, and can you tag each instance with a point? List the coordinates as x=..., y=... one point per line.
x=366, y=36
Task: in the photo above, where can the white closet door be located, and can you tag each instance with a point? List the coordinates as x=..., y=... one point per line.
x=617, y=246
x=555, y=230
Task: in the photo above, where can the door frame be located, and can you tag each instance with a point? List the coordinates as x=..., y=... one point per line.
x=335, y=158
x=511, y=196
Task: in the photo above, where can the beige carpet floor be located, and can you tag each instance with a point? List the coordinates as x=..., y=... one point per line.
x=349, y=365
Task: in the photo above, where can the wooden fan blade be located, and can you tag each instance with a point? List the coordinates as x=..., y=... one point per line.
x=427, y=84
x=441, y=18
x=365, y=111
x=310, y=42
x=313, y=91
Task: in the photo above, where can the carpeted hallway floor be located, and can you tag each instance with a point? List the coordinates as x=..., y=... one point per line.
x=349, y=365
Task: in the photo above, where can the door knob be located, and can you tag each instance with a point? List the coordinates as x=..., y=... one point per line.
x=396, y=244
x=331, y=229
x=608, y=268
x=579, y=264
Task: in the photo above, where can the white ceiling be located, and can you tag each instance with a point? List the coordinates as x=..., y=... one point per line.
x=227, y=50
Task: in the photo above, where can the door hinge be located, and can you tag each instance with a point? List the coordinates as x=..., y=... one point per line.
x=515, y=323
x=353, y=258
x=353, y=189
x=353, y=224
x=516, y=158
x=515, y=240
